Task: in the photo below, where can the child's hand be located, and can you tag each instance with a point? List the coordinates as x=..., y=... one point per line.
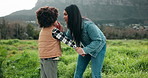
x=58, y=25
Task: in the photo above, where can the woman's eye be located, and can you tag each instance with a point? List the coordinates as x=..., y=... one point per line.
x=65, y=14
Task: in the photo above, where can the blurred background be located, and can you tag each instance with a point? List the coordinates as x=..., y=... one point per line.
x=124, y=23
x=118, y=19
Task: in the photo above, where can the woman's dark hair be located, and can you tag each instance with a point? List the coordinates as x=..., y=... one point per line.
x=74, y=22
x=46, y=16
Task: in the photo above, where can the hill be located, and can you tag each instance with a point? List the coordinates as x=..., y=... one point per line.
x=95, y=9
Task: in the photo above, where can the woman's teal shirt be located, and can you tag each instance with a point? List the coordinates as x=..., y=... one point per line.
x=92, y=38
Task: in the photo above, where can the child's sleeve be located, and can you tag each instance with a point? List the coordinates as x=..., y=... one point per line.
x=57, y=34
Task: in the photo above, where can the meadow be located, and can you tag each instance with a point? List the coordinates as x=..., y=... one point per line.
x=124, y=59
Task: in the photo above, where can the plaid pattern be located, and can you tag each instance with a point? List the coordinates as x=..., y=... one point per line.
x=57, y=34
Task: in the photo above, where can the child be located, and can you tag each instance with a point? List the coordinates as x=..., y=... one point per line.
x=48, y=43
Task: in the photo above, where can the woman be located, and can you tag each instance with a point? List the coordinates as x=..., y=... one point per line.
x=84, y=32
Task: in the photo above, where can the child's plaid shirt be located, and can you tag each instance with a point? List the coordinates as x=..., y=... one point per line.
x=57, y=34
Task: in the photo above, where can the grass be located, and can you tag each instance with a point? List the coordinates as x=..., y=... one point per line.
x=124, y=59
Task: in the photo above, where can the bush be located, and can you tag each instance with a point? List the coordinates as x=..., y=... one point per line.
x=9, y=42
x=141, y=64
x=24, y=65
x=124, y=59
x=3, y=54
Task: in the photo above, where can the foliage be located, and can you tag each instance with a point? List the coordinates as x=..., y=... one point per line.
x=124, y=59
x=3, y=54
x=18, y=31
x=124, y=33
x=31, y=31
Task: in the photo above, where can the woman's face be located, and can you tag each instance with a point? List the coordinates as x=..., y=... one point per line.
x=65, y=16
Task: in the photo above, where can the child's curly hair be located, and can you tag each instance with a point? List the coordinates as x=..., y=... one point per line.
x=46, y=16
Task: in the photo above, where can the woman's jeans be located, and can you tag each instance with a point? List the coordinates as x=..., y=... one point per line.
x=96, y=65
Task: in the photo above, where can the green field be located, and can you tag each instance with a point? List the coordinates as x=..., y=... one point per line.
x=124, y=59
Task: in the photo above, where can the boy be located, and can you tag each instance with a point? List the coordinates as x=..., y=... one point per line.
x=48, y=43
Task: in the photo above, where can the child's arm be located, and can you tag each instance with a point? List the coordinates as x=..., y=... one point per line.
x=57, y=34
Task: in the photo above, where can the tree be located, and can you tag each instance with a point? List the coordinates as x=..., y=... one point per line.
x=30, y=31
x=3, y=28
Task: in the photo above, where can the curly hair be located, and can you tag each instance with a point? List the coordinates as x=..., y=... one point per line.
x=46, y=16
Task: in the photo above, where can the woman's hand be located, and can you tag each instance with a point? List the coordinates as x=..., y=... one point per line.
x=80, y=51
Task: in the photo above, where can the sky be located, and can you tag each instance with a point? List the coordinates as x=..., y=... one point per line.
x=9, y=6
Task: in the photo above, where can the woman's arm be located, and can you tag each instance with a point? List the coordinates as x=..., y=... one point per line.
x=95, y=34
